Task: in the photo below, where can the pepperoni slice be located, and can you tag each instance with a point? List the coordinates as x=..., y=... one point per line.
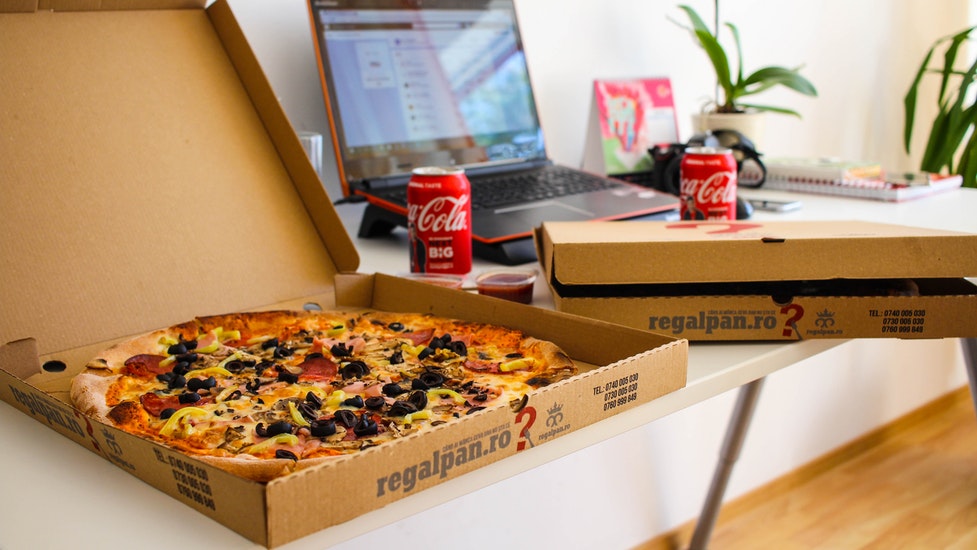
x=482, y=366
x=419, y=337
x=319, y=368
x=156, y=404
x=144, y=366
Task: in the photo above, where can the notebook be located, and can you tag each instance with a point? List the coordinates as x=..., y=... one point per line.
x=410, y=84
x=882, y=189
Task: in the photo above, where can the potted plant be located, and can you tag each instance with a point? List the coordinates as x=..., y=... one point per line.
x=734, y=87
x=952, y=131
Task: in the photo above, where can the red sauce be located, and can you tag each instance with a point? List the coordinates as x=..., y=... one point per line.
x=516, y=287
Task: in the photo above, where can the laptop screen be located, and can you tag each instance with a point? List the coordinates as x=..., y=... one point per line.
x=444, y=85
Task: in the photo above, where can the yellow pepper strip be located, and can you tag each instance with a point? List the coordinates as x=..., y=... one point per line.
x=280, y=439
x=209, y=371
x=232, y=357
x=259, y=339
x=413, y=350
x=178, y=424
x=167, y=341
x=438, y=393
x=296, y=415
x=335, y=399
x=225, y=335
x=516, y=364
x=336, y=331
x=168, y=360
x=419, y=415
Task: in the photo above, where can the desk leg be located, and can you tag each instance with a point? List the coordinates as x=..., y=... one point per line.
x=970, y=358
x=735, y=434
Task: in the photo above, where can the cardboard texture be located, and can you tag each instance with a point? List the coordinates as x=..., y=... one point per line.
x=153, y=177
x=765, y=280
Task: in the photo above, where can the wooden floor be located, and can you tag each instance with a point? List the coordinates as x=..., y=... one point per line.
x=911, y=484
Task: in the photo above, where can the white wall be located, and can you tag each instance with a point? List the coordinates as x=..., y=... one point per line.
x=861, y=55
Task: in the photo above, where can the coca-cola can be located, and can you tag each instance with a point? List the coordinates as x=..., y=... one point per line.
x=439, y=220
x=707, y=186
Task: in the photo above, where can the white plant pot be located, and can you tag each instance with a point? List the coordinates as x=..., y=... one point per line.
x=751, y=125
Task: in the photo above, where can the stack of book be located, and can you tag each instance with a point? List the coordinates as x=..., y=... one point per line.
x=866, y=180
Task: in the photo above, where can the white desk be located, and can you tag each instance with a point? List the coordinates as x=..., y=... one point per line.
x=49, y=483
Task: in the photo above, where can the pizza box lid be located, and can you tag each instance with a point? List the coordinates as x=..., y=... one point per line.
x=150, y=174
x=592, y=253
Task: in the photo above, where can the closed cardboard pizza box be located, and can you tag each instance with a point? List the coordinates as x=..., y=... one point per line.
x=753, y=280
x=151, y=176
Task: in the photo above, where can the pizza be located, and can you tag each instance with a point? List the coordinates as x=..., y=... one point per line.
x=263, y=394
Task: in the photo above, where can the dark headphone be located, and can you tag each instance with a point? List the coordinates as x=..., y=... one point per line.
x=667, y=159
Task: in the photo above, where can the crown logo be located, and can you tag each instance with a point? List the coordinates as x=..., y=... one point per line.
x=555, y=409
x=826, y=314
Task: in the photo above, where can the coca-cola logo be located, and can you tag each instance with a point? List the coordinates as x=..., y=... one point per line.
x=440, y=214
x=718, y=188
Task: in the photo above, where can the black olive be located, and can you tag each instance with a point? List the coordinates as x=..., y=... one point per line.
x=365, y=426
x=432, y=379
x=392, y=390
x=425, y=353
x=355, y=401
x=474, y=409
x=375, y=403
x=285, y=376
x=282, y=453
x=345, y=417
x=418, y=398
x=189, y=344
x=314, y=399
x=282, y=352
x=253, y=386
x=435, y=343
x=263, y=366
x=397, y=357
x=271, y=343
x=178, y=381
x=401, y=408
x=195, y=384
x=340, y=350
x=236, y=394
x=314, y=355
x=354, y=369
x=481, y=397
x=187, y=357
x=177, y=349
x=260, y=430
x=181, y=367
x=280, y=427
x=165, y=377
x=166, y=413
x=189, y=397
x=308, y=410
x=418, y=384
x=459, y=348
x=513, y=355
x=322, y=428
x=396, y=327
x=234, y=366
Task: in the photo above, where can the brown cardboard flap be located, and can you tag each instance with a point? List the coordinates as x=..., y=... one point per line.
x=148, y=190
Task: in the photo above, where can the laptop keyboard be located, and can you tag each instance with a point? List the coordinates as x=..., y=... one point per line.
x=522, y=187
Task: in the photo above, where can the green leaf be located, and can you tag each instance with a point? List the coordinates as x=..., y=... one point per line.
x=909, y=102
x=771, y=109
x=784, y=77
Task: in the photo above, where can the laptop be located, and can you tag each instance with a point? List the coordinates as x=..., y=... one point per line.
x=412, y=83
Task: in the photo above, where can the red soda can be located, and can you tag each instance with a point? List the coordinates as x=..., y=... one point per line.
x=707, y=184
x=439, y=220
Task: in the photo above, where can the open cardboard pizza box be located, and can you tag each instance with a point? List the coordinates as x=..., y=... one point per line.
x=151, y=176
x=757, y=280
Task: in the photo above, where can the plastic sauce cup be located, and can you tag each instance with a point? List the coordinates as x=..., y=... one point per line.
x=439, y=279
x=509, y=284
